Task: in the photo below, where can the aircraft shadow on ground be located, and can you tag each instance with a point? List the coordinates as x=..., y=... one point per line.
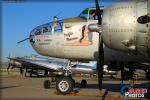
x=119, y=79
x=116, y=87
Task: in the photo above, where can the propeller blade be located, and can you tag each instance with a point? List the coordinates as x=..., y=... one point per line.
x=23, y=40
x=98, y=12
x=100, y=60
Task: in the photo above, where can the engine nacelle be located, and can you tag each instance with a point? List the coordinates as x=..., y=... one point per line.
x=94, y=28
x=121, y=29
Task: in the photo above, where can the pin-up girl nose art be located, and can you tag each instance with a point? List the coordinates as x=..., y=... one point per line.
x=85, y=40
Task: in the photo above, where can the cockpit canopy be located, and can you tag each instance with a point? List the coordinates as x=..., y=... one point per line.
x=90, y=13
x=57, y=26
x=48, y=28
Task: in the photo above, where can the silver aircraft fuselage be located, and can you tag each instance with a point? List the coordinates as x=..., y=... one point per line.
x=124, y=38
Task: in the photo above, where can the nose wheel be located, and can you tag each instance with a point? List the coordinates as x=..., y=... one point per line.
x=65, y=85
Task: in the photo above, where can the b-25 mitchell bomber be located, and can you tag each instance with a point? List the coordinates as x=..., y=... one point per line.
x=118, y=34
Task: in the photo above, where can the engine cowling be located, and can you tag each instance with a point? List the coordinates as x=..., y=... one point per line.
x=121, y=29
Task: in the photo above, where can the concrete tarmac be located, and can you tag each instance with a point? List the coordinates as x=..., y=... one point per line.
x=17, y=87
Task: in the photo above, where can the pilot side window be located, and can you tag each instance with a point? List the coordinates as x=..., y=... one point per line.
x=84, y=14
x=92, y=15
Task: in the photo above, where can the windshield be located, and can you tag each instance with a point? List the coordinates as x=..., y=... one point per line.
x=84, y=14
x=92, y=14
x=46, y=29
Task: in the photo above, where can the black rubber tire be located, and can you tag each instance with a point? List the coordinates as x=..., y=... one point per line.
x=69, y=82
x=47, y=84
x=83, y=83
x=73, y=82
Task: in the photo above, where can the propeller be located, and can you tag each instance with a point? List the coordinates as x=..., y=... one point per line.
x=100, y=60
x=23, y=40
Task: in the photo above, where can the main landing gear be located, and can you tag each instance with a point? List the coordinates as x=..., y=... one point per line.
x=65, y=83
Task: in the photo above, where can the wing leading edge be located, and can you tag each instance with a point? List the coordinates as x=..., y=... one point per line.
x=33, y=63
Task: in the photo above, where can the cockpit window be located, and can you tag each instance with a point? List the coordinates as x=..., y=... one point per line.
x=46, y=29
x=38, y=32
x=92, y=15
x=84, y=14
x=58, y=27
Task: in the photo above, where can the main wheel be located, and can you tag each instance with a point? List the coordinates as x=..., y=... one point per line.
x=47, y=84
x=83, y=83
x=65, y=85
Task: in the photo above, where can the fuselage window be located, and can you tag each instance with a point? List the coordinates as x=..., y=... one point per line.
x=46, y=30
x=58, y=27
x=38, y=32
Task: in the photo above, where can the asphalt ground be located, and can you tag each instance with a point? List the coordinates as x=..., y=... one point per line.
x=14, y=87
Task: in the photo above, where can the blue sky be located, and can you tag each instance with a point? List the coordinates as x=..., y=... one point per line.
x=19, y=18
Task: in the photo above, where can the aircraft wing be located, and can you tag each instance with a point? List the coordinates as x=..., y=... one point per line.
x=34, y=63
x=54, y=65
